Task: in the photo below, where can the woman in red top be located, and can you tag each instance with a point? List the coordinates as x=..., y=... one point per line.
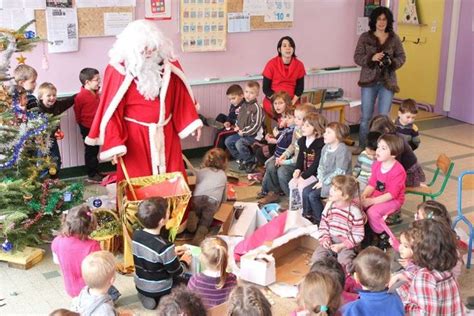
x=283, y=72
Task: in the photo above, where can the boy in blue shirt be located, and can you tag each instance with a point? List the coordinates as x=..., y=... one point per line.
x=372, y=271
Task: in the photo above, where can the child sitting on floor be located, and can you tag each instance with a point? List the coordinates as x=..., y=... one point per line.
x=405, y=123
x=318, y=294
x=213, y=284
x=372, y=271
x=342, y=223
x=181, y=301
x=248, y=300
x=363, y=167
x=98, y=271
x=209, y=193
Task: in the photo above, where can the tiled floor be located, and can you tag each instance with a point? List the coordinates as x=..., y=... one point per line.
x=40, y=290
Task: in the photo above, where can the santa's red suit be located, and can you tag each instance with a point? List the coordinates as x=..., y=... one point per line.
x=283, y=78
x=146, y=133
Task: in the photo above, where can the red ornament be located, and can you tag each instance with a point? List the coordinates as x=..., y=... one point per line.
x=59, y=134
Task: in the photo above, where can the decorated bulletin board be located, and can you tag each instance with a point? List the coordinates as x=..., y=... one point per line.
x=91, y=20
x=257, y=22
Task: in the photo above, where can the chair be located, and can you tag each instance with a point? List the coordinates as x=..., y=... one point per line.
x=445, y=166
x=465, y=182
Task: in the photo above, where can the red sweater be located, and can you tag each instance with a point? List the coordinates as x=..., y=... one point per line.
x=85, y=106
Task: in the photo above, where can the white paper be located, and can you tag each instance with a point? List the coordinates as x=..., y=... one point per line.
x=255, y=7
x=283, y=289
x=115, y=22
x=105, y=3
x=62, y=30
x=34, y=4
x=11, y=4
x=362, y=25
x=279, y=11
x=15, y=18
x=238, y=22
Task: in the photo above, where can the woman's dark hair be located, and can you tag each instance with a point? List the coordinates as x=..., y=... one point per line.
x=292, y=44
x=378, y=12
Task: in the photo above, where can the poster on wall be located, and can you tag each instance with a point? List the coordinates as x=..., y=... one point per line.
x=203, y=25
x=158, y=9
x=279, y=11
x=61, y=26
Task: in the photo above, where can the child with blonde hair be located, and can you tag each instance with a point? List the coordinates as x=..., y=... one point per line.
x=73, y=245
x=342, y=223
x=98, y=271
x=209, y=192
x=213, y=284
x=336, y=159
x=310, y=146
x=248, y=300
x=319, y=294
x=48, y=103
x=385, y=192
x=25, y=76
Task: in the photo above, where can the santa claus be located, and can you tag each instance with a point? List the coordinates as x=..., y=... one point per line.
x=146, y=105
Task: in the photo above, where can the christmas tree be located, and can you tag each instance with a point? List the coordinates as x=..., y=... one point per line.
x=31, y=198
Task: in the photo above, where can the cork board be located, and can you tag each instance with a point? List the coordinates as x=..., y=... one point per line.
x=256, y=22
x=90, y=20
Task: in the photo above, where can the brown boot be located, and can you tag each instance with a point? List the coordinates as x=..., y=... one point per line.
x=192, y=223
x=271, y=197
x=201, y=233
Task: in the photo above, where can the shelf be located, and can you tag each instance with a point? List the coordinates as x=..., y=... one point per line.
x=412, y=24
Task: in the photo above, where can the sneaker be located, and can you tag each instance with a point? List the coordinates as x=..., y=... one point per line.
x=394, y=219
x=384, y=242
x=241, y=164
x=271, y=197
x=94, y=179
x=147, y=302
x=250, y=167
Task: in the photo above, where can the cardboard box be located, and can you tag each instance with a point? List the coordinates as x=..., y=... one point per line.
x=239, y=218
x=224, y=214
x=291, y=254
x=258, y=268
x=292, y=259
x=218, y=310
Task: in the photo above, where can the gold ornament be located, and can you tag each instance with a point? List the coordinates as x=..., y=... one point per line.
x=21, y=59
x=52, y=171
x=27, y=197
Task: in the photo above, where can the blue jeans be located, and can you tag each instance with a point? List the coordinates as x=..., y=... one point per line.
x=277, y=178
x=369, y=94
x=239, y=147
x=312, y=204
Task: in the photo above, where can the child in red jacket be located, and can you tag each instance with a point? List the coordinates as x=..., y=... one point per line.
x=85, y=107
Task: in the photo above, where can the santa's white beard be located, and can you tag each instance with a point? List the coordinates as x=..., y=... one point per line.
x=149, y=78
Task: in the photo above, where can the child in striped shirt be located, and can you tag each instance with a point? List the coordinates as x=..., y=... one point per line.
x=158, y=263
x=213, y=284
x=363, y=167
x=342, y=223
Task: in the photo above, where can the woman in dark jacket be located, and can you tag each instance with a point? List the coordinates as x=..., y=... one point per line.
x=380, y=53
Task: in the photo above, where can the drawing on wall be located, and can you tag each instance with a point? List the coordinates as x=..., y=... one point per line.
x=410, y=14
x=158, y=9
x=203, y=25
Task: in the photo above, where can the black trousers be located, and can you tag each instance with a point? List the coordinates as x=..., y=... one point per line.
x=90, y=154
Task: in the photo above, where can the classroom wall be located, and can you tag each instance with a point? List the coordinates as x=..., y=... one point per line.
x=418, y=78
x=463, y=93
x=324, y=32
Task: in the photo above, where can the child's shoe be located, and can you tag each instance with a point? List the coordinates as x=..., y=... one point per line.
x=147, y=302
x=394, y=219
x=97, y=178
x=271, y=197
x=250, y=167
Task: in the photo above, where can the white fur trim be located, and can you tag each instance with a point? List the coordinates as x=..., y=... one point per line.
x=119, y=67
x=91, y=141
x=113, y=106
x=190, y=128
x=109, y=154
x=164, y=90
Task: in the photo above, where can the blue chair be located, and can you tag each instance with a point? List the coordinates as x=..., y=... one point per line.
x=465, y=182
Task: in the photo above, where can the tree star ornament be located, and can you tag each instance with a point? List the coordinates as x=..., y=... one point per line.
x=21, y=59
